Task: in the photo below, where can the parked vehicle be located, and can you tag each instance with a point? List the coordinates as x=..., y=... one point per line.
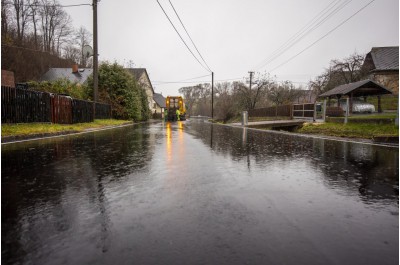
x=173, y=104
x=359, y=106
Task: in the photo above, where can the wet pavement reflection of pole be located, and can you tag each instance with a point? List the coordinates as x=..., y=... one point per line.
x=196, y=193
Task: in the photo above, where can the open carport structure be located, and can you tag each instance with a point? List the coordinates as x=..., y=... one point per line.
x=364, y=88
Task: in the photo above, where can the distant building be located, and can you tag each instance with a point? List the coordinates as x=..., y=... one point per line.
x=382, y=65
x=73, y=74
x=141, y=76
x=159, y=103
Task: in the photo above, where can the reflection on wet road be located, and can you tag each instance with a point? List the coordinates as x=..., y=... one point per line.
x=195, y=193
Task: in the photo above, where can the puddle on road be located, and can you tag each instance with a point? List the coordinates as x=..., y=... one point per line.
x=192, y=192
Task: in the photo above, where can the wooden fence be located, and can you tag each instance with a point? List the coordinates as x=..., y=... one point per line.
x=20, y=106
x=305, y=110
x=82, y=111
x=103, y=111
x=61, y=109
x=276, y=111
x=23, y=106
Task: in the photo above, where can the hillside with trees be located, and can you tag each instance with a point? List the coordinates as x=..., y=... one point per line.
x=37, y=35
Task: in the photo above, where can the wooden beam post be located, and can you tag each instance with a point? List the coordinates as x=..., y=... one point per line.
x=379, y=105
x=347, y=111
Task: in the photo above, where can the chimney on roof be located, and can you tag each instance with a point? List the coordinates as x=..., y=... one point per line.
x=75, y=68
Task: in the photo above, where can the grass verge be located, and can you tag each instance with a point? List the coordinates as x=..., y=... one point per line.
x=24, y=129
x=350, y=130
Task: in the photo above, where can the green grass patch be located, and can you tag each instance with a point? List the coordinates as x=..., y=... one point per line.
x=41, y=128
x=374, y=116
x=388, y=102
x=350, y=130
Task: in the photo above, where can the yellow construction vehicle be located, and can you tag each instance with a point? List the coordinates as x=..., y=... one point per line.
x=173, y=104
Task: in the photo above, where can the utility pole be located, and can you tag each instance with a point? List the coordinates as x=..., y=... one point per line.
x=212, y=95
x=95, y=54
x=251, y=76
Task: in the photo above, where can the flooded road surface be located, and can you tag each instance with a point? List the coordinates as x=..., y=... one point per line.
x=193, y=193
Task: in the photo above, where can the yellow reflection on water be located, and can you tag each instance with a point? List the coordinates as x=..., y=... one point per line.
x=175, y=142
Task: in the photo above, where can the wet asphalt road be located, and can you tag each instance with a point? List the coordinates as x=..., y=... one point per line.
x=196, y=193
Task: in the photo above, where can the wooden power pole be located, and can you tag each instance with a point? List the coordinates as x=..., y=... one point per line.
x=95, y=54
x=212, y=95
x=251, y=77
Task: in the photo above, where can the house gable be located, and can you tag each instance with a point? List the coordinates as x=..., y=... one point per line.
x=382, y=64
x=141, y=76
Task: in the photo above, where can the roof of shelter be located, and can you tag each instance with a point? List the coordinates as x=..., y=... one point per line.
x=361, y=88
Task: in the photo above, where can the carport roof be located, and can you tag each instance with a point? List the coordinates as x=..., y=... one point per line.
x=358, y=89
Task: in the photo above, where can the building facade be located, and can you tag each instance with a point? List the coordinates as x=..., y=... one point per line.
x=382, y=65
x=141, y=76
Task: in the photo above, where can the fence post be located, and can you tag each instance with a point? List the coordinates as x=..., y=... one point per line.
x=315, y=112
x=347, y=111
x=324, y=111
x=245, y=116
x=291, y=111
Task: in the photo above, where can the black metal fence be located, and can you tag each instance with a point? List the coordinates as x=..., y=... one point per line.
x=103, y=111
x=24, y=106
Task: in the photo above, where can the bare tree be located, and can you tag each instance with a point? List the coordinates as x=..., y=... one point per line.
x=251, y=96
x=339, y=72
x=225, y=103
x=83, y=37
x=63, y=32
x=54, y=21
x=21, y=13
x=33, y=14
x=191, y=95
x=4, y=18
x=283, y=93
x=72, y=53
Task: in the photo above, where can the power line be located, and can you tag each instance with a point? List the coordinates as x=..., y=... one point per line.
x=220, y=80
x=167, y=82
x=332, y=30
x=182, y=82
x=181, y=37
x=317, y=21
x=189, y=36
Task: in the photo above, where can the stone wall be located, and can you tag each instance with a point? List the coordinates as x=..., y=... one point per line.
x=389, y=80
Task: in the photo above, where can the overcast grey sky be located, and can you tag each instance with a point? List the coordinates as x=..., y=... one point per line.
x=235, y=37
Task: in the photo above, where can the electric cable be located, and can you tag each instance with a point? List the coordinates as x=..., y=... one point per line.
x=310, y=27
x=332, y=30
x=189, y=36
x=181, y=37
